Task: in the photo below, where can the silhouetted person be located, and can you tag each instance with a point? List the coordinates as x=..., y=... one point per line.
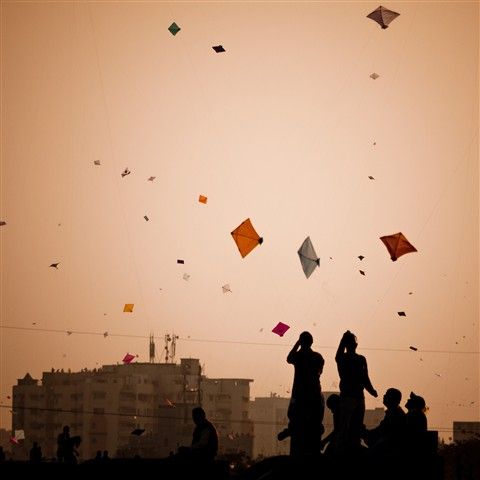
x=416, y=418
x=333, y=404
x=306, y=408
x=2, y=454
x=105, y=457
x=63, y=440
x=204, y=446
x=353, y=372
x=98, y=456
x=417, y=441
x=389, y=436
x=36, y=453
x=71, y=452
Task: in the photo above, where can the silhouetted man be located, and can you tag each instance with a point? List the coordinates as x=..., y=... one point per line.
x=306, y=408
x=63, y=443
x=388, y=437
x=36, y=453
x=353, y=372
x=204, y=447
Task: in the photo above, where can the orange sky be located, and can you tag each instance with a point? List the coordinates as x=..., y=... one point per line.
x=280, y=129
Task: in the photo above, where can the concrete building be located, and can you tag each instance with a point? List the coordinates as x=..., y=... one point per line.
x=227, y=404
x=463, y=431
x=105, y=405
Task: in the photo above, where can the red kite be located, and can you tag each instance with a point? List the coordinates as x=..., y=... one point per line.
x=246, y=237
x=397, y=245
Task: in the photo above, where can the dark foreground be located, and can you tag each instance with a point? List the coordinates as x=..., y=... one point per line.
x=273, y=468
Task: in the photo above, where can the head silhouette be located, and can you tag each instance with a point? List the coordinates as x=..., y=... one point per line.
x=198, y=415
x=333, y=402
x=66, y=429
x=305, y=339
x=392, y=398
x=350, y=341
x=415, y=402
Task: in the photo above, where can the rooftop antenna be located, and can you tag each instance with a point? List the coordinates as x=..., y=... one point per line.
x=152, y=348
x=170, y=347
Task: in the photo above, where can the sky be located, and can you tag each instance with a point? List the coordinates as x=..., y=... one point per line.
x=284, y=127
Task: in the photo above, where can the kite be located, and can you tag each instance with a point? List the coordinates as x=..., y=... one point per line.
x=174, y=28
x=2, y=223
x=402, y=314
x=397, y=245
x=219, y=49
x=246, y=237
x=55, y=265
x=128, y=358
x=371, y=178
x=360, y=257
x=226, y=288
x=181, y=262
x=202, y=199
x=374, y=76
x=20, y=434
x=151, y=179
x=69, y=332
x=126, y=172
x=96, y=162
x=414, y=349
x=383, y=16
x=308, y=257
x=128, y=308
x=138, y=431
x=105, y=334
x=362, y=272
x=280, y=329
x=186, y=277
x=146, y=218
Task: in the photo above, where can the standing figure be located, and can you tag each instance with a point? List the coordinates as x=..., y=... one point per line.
x=63, y=442
x=353, y=372
x=36, y=453
x=306, y=408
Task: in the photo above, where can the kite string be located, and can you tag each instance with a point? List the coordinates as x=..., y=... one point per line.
x=116, y=163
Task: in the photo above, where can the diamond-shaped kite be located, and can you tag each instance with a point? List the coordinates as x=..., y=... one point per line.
x=186, y=277
x=402, y=314
x=96, y=162
x=126, y=172
x=219, y=48
x=138, y=431
x=308, y=257
x=374, y=76
x=397, y=245
x=246, y=237
x=226, y=288
x=128, y=358
x=280, y=329
x=202, y=199
x=383, y=16
x=174, y=28
x=151, y=179
x=128, y=308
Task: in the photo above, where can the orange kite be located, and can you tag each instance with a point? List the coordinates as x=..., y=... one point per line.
x=397, y=245
x=246, y=238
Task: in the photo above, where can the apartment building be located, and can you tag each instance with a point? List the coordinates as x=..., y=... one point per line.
x=105, y=405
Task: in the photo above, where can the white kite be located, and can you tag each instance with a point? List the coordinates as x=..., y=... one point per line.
x=308, y=257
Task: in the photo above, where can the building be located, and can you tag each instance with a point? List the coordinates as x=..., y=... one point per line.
x=104, y=406
x=463, y=431
x=226, y=402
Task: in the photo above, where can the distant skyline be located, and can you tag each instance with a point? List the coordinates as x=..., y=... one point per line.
x=287, y=127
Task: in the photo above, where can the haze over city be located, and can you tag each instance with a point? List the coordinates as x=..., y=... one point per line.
x=284, y=127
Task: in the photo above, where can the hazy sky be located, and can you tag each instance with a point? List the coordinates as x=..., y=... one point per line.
x=283, y=128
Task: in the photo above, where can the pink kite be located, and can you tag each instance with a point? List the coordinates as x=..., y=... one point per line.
x=280, y=329
x=128, y=358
